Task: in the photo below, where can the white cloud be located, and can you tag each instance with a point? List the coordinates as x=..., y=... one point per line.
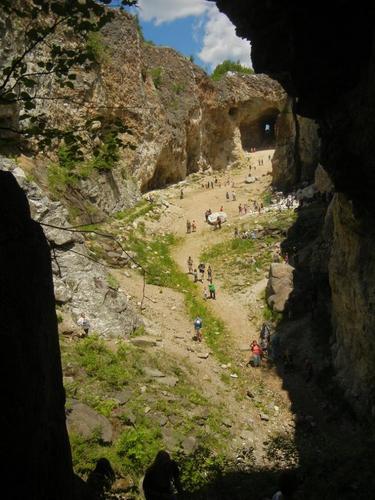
x=160, y=11
x=220, y=41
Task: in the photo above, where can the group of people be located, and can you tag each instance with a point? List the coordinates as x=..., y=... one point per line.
x=244, y=208
x=208, y=292
x=232, y=195
x=229, y=182
x=210, y=184
x=261, y=349
x=201, y=269
x=191, y=227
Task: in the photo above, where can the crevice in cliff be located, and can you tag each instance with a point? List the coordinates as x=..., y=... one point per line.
x=297, y=138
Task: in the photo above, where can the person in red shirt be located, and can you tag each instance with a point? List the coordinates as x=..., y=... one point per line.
x=256, y=352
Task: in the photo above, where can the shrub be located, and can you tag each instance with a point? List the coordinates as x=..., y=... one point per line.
x=138, y=447
x=227, y=65
x=178, y=88
x=85, y=452
x=112, y=282
x=200, y=468
x=156, y=75
x=70, y=167
x=107, y=155
x=96, y=47
x=267, y=198
x=101, y=363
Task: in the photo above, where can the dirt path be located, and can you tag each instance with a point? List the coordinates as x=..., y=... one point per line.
x=166, y=317
x=233, y=310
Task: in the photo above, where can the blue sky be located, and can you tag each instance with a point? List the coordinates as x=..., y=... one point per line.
x=184, y=35
x=193, y=27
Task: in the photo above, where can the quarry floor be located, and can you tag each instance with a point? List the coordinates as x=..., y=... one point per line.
x=250, y=420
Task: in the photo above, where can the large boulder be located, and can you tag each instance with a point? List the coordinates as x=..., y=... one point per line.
x=279, y=286
x=86, y=421
x=322, y=181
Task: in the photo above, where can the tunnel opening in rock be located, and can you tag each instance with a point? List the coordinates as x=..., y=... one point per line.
x=259, y=133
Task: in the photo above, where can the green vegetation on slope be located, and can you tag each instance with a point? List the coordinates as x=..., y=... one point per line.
x=240, y=263
x=227, y=65
x=161, y=269
x=100, y=370
x=131, y=214
x=97, y=48
x=71, y=167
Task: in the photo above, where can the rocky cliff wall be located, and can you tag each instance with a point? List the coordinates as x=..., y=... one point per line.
x=297, y=149
x=81, y=285
x=180, y=120
x=305, y=49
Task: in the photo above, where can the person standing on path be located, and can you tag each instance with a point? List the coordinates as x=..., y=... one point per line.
x=85, y=324
x=240, y=209
x=194, y=226
x=256, y=352
x=233, y=196
x=181, y=194
x=227, y=196
x=195, y=274
x=201, y=269
x=212, y=290
x=198, y=323
x=188, y=226
x=209, y=274
x=190, y=265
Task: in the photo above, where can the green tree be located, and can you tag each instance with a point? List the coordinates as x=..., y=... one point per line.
x=41, y=54
x=228, y=65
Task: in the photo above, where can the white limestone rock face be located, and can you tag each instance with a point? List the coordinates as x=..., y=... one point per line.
x=279, y=286
x=80, y=284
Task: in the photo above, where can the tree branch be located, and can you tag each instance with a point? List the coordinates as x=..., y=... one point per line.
x=28, y=50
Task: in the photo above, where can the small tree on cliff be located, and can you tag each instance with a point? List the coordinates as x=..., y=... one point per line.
x=46, y=41
x=228, y=65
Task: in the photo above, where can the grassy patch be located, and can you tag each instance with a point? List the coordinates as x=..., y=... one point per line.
x=130, y=215
x=97, y=48
x=239, y=263
x=156, y=75
x=112, y=281
x=138, y=447
x=70, y=167
x=99, y=370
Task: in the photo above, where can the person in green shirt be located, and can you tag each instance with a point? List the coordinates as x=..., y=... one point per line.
x=212, y=290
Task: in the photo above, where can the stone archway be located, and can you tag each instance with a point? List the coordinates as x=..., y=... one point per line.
x=259, y=133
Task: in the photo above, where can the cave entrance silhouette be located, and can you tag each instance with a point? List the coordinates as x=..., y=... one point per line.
x=259, y=133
